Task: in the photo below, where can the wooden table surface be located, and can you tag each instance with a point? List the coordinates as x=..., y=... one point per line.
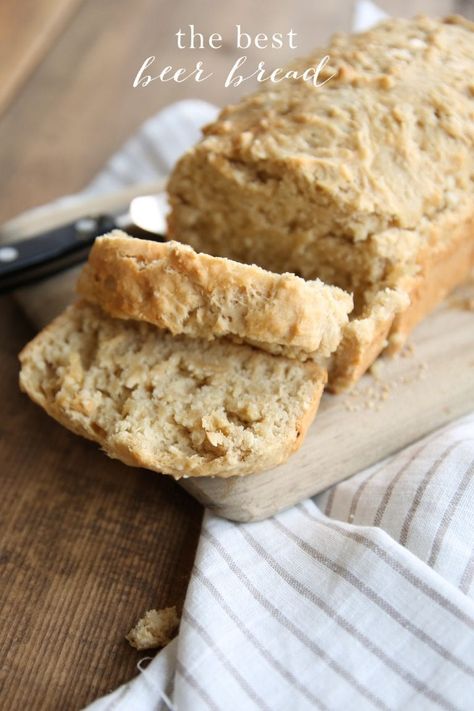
x=87, y=544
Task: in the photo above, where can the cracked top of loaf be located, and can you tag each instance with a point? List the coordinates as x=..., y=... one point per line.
x=384, y=143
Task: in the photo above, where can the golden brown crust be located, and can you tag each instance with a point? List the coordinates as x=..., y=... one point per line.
x=387, y=141
x=356, y=356
x=445, y=263
x=173, y=287
x=179, y=406
x=364, y=339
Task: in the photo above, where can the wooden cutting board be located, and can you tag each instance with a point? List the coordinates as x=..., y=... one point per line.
x=429, y=384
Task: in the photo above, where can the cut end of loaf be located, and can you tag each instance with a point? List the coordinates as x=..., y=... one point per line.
x=180, y=406
x=365, y=338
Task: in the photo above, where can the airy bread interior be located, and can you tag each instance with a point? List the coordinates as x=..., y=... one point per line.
x=173, y=404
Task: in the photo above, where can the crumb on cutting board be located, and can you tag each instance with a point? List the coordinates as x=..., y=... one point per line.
x=408, y=351
x=379, y=383
x=155, y=629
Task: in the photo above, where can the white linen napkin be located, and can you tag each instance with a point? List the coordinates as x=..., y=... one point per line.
x=361, y=598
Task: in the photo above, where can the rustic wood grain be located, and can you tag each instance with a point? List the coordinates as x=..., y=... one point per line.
x=87, y=545
x=28, y=29
x=81, y=106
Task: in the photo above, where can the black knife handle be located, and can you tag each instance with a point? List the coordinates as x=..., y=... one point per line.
x=35, y=258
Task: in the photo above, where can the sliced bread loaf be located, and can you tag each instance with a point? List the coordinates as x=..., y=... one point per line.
x=173, y=287
x=181, y=406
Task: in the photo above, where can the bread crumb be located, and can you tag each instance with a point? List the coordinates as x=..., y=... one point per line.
x=378, y=385
x=466, y=304
x=376, y=370
x=155, y=629
x=408, y=351
x=463, y=297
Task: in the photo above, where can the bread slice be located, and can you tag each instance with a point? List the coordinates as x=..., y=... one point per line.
x=177, y=405
x=361, y=183
x=173, y=287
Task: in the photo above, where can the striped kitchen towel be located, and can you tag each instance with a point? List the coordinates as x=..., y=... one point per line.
x=360, y=598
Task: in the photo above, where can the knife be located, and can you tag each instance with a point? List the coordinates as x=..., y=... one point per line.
x=27, y=261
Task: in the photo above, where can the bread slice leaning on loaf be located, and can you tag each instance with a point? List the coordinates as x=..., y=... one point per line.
x=177, y=405
x=365, y=182
x=175, y=288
